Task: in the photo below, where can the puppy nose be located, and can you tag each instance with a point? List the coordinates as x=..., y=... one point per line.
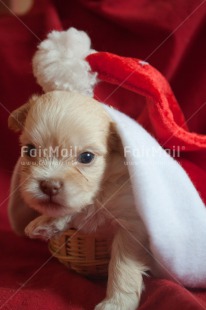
x=50, y=187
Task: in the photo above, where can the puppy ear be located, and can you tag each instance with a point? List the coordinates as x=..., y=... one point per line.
x=114, y=141
x=20, y=215
x=17, y=118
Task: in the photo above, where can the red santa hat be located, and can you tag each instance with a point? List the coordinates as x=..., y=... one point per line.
x=166, y=199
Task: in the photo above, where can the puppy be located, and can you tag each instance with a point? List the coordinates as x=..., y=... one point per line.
x=71, y=173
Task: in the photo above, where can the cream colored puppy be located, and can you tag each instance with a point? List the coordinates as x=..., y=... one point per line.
x=71, y=173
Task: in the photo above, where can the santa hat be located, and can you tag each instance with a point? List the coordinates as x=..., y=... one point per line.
x=166, y=199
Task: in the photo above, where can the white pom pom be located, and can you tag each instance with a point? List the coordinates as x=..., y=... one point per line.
x=59, y=63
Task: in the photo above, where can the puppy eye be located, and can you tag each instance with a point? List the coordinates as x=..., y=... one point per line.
x=29, y=150
x=85, y=158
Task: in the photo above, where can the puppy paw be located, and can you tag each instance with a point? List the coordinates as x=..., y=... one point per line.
x=106, y=305
x=41, y=228
x=117, y=304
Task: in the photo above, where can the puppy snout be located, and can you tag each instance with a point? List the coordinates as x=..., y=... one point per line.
x=51, y=187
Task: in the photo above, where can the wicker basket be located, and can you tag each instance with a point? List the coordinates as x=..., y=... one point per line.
x=87, y=254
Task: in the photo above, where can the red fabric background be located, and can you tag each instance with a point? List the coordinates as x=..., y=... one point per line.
x=128, y=28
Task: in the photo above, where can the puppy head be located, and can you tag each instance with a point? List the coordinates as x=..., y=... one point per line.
x=65, y=145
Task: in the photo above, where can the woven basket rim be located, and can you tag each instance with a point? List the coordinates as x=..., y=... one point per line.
x=68, y=258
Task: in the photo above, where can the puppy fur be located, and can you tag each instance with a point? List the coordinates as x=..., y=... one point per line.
x=93, y=197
